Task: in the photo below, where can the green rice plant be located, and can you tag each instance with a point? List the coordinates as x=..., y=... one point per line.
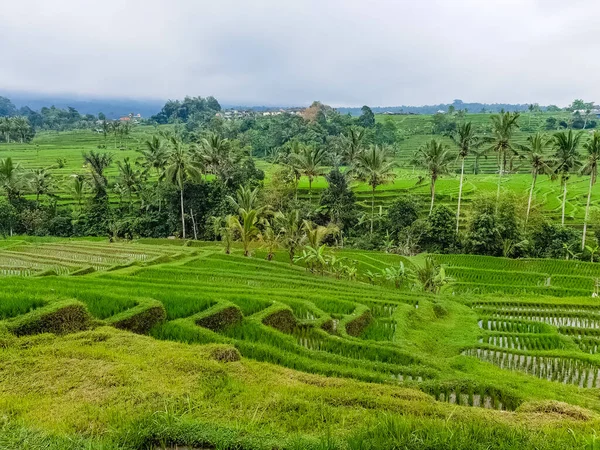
x=141, y=318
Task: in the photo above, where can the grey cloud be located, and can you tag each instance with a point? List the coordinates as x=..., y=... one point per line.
x=343, y=52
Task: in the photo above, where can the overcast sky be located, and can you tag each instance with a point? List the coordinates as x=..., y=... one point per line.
x=342, y=52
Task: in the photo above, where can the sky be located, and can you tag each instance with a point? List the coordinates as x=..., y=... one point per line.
x=280, y=52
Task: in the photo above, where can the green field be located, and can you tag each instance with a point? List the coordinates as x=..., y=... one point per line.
x=158, y=344
x=48, y=146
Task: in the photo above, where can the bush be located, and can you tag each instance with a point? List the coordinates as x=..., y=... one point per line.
x=282, y=320
x=141, y=318
x=61, y=317
x=220, y=319
x=356, y=326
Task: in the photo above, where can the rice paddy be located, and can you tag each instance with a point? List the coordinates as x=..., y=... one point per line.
x=488, y=353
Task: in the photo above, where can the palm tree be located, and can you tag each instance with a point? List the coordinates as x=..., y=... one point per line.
x=245, y=199
x=247, y=229
x=271, y=239
x=503, y=128
x=310, y=163
x=40, y=181
x=155, y=155
x=129, y=178
x=10, y=177
x=466, y=140
x=77, y=188
x=180, y=168
x=6, y=128
x=567, y=158
x=535, y=150
x=214, y=154
x=376, y=168
x=590, y=168
x=436, y=158
x=97, y=164
x=290, y=229
x=353, y=145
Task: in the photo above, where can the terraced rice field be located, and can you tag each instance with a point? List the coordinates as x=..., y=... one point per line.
x=480, y=351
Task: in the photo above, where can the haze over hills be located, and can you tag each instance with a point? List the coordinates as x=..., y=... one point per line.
x=114, y=107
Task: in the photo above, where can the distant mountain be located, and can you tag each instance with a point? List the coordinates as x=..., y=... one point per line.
x=113, y=108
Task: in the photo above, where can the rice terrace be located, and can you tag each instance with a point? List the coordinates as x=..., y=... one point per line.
x=212, y=238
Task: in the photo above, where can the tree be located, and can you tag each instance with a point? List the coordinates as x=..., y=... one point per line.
x=40, y=181
x=566, y=156
x=310, y=163
x=338, y=200
x=590, y=167
x=535, y=152
x=503, y=128
x=214, y=155
x=97, y=163
x=246, y=229
x=180, y=168
x=245, y=199
x=271, y=239
x=129, y=178
x=466, y=140
x=77, y=188
x=439, y=233
x=8, y=217
x=155, y=155
x=436, y=158
x=11, y=179
x=401, y=214
x=375, y=166
x=353, y=145
x=290, y=229
x=367, y=118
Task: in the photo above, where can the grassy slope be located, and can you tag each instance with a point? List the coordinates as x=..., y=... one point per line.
x=113, y=389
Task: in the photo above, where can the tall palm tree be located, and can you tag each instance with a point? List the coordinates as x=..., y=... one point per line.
x=466, y=140
x=566, y=156
x=214, y=153
x=155, y=155
x=310, y=162
x=291, y=233
x=129, y=179
x=436, y=158
x=590, y=168
x=375, y=166
x=503, y=128
x=353, y=144
x=6, y=128
x=247, y=228
x=77, y=188
x=180, y=168
x=97, y=163
x=40, y=181
x=11, y=179
x=535, y=152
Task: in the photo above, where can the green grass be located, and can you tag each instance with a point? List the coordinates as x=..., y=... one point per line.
x=425, y=372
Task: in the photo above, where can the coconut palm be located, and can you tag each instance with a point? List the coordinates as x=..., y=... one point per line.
x=310, y=161
x=375, y=166
x=214, y=154
x=466, y=140
x=436, y=158
x=246, y=229
x=129, y=178
x=77, y=188
x=566, y=156
x=180, y=168
x=97, y=163
x=503, y=128
x=155, y=154
x=271, y=239
x=353, y=144
x=6, y=128
x=590, y=167
x=540, y=164
x=245, y=199
x=11, y=179
x=40, y=182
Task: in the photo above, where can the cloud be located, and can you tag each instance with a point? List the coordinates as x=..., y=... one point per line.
x=342, y=52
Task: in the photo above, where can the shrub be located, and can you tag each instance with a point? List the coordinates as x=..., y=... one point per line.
x=141, y=318
x=282, y=320
x=60, y=317
x=221, y=318
x=356, y=326
x=225, y=353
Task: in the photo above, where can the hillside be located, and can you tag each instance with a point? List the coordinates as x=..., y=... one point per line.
x=161, y=344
